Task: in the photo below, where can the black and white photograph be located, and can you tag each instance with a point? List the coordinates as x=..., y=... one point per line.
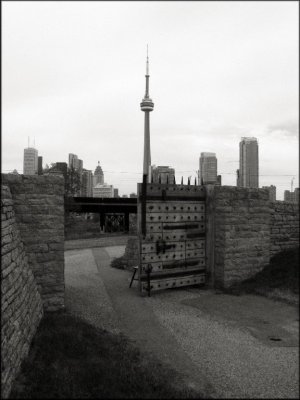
x=149, y=199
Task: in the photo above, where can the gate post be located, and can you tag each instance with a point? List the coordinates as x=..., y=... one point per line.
x=210, y=234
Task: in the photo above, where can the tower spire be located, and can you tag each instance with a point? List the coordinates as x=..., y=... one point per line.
x=147, y=105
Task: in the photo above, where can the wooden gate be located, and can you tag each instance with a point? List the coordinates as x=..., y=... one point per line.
x=171, y=228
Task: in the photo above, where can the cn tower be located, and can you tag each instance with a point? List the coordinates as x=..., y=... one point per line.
x=147, y=105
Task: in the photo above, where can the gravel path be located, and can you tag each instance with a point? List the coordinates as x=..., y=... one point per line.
x=220, y=343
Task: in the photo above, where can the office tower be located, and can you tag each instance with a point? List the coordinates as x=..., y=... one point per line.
x=162, y=174
x=248, y=176
x=73, y=161
x=87, y=183
x=116, y=192
x=219, y=180
x=30, y=165
x=98, y=175
x=208, y=166
x=292, y=197
x=272, y=192
x=40, y=165
x=147, y=106
x=103, y=190
x=79, y=166
x=288, y=196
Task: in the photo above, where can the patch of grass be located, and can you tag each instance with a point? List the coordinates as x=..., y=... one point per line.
x=119, y=262
x=280, y=276
x=70, y=358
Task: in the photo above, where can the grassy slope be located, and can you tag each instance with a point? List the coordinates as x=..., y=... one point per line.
x=280, y=277
x=72, y=359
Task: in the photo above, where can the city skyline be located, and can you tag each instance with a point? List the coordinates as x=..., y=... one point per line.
x=242, y=81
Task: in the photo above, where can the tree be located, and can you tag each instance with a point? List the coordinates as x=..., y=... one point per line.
x=72, y=183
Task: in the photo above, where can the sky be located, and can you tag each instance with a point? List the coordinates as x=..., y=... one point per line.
x=73, y=77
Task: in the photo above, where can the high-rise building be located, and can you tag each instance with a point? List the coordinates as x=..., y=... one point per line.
x=248, y=172
x=73, y=161
x=98, y=175
x=208, y=166
x=103, y=190
x=40, y=165
x=79, y=166
x=292, y=197
x=147, y=106
x=116, y=193
x=162, y=174
x=87, y=183
x=30, y=165
x=272, y=192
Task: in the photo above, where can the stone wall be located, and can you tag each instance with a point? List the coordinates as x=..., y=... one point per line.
x=39, y=209
x=131, y=253
x=240, y=242
x=284, y=226
x=21, y=303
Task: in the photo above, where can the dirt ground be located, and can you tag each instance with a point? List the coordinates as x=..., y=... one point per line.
x=225, y=346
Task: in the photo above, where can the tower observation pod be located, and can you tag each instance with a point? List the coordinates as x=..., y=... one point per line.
x=146, y=106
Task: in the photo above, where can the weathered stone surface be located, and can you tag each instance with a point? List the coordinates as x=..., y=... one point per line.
x=248, y=230
x=39, y=209
x=21, y=303
x=284, y=226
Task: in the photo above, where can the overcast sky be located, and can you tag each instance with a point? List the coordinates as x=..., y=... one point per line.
x=73, y=76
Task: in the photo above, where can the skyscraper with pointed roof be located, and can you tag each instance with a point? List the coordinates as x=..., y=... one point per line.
x=98, y=175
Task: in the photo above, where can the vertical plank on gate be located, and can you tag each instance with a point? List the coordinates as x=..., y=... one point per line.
x=210, y=235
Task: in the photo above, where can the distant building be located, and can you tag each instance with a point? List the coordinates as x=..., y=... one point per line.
x=248, y=172
x=133, y=195
x=116, y=193
x=219, y=180
x=30, y=165
x=87, y=183
x=103, y=190
x=292, y=197
x=162, y=174
x=98, y=176
x=272, y=192
x=73, y=161
x=40, y=165
x=125, y=196
x=208, y=166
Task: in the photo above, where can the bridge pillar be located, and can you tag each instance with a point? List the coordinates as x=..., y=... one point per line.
x=102, y=222
x=126, y=222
